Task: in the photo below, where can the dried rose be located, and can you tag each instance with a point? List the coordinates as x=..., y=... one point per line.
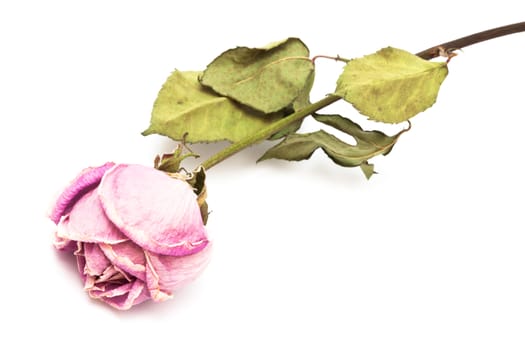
x=136, y=232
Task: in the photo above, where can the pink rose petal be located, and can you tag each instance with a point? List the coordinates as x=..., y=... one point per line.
x=81, y=263
x=95, y=268
x=64, y=244
x=127, y=256
x=112, y=286
x=87, y=222
x=157, y=212
x=85, y=181
x=124, y=296
x=165, y=274
x=113, y=274
x=96, y=261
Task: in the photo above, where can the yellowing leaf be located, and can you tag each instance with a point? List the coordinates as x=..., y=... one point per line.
x=266, y=79
x=185, y=107
x=391, y=85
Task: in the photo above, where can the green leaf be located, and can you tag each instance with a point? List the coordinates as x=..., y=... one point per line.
x=368, y=144
x=367, y=169
x=184, y=109
x=267, y=79
x=290, y=129
x=302, y=101
x=376, y=142
x=391, y=85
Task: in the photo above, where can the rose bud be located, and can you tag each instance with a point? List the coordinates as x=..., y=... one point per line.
x=136, y=232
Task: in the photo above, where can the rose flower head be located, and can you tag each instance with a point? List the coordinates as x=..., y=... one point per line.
x=136, y=232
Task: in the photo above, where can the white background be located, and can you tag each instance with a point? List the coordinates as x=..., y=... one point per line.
x=428, y=254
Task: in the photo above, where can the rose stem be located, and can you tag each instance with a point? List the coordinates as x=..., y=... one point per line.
x=429, y=53
x=271, y=129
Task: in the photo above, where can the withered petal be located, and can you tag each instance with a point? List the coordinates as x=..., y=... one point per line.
x=159, y=213
x=122, y=297
x=86, y=180
x=127, y=256
x=165, y=274
x=87, y=222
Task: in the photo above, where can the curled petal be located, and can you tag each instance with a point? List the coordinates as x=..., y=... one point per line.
x=113, y=274
x=96, y=261
x=155, y=211
x=112, y=286
x=165, y=274
x=127, y=256
x=95, y=268
x=87, y=222
x=121, y=297
x=81, y=263
x=64, y=244
x=85, y=181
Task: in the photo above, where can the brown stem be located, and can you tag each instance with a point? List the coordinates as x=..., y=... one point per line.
x=472, y=39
